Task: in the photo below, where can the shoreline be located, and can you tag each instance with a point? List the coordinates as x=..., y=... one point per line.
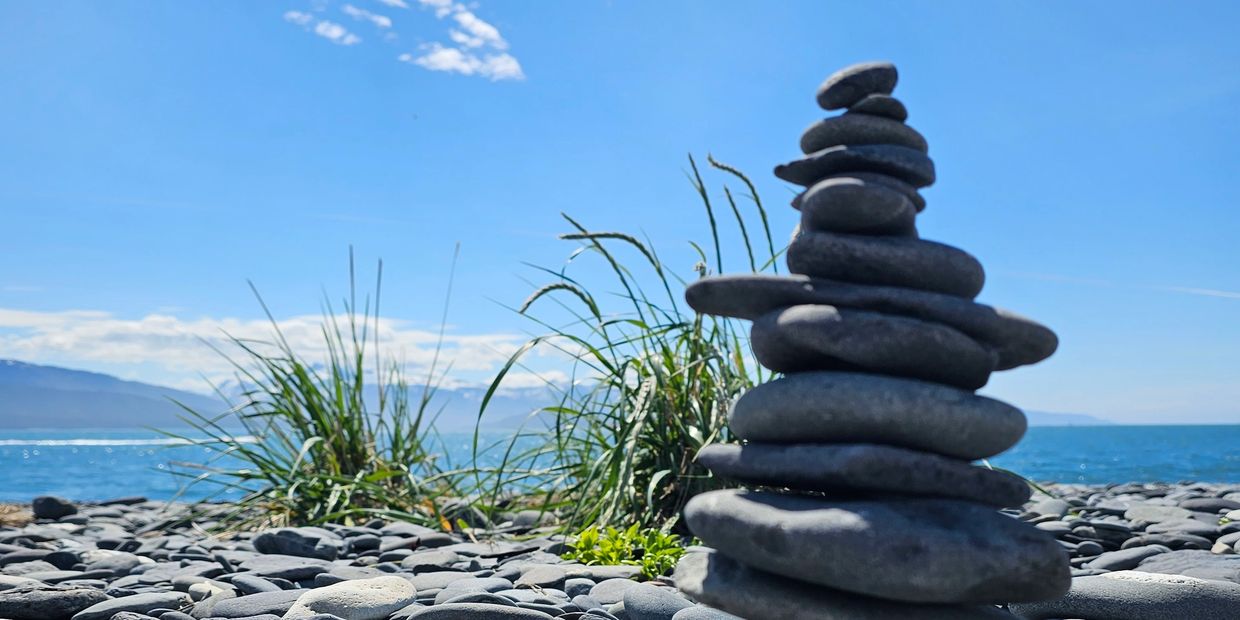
x=135, y=555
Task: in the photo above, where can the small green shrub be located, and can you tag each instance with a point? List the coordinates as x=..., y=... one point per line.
x=655, y=551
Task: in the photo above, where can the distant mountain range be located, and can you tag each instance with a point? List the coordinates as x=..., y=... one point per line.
x=1043, y=418
x=33, y=396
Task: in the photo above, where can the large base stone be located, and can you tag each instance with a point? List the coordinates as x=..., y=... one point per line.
x=915, y=550
x=726, y=584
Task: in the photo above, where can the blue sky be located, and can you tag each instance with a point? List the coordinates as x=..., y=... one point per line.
x=159, y=154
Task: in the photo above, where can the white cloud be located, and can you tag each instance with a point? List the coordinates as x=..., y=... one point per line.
x=460, y=38
x=336, y=33
x=380, y=21
x=298, y=17
x=480, y=29
x=171, y=350
x=396, y=4
x=443, y=8
x=471, y=35
x=437, y=57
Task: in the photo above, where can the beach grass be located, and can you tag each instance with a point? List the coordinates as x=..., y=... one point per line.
x=337, y=440
x=651, y=380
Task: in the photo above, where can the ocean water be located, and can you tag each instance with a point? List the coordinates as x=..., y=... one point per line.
x=99, y=464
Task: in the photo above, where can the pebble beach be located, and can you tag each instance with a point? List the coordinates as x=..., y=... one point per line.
x=1159, y=550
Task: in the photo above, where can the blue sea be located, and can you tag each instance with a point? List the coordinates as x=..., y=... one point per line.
x=100, y=464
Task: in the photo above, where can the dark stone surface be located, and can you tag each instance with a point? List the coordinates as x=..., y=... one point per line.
x=854, y=129
x=478, y=611
x=853, y=83
x=721, y=582
x=915, y=550
x=1133, y=595
x=1194, y=563
x=889, y=182
x=36, y=601
x=866, y=467
x=647, y=602
x=1125, y=559
x=1016, y=339
x=142, y=603
x=288, y=567
x=851, y=205
x=846, y=407
x=908, y=165
x=880, y=105
x=52, y=507
x=887, y=261
x=306, y=542
x=818, y=337
x=255, y=604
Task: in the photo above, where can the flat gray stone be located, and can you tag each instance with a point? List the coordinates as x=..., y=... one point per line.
x=1194, y=563
x=1134, y=595
x=1051, y=506
x=915, y=550
x=726, y=584
x=38, y=601
x=288, y=567
x=647, y=602
x=1212, y=505
x=610, y=591
x=853, y=83
x=359, y=599
x=855, y=129
x=847, y=407
x=1016, y=339
x=818, y=337
x=1125, y=559
x=908, y=165
x=1184, y=526
x=1155, y=513
x=885, y=106
x=256, y=604
x=478, y=611
x=850, y=205
x=140, y=603
x=863, y=467
x=701, y=612
x=1170, y=541
x=890, y=182
x=886, y=261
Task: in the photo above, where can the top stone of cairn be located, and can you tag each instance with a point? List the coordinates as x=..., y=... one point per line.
x=854, y=83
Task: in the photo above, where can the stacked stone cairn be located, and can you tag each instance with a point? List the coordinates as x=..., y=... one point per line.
x=866, y=504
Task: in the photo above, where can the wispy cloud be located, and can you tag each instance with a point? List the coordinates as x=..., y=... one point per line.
x=324, y=28
x=380, y=21
x=1204, y=292
x=476, y=47
x=479, y=48
x=436, y=57
x=1102, y=283
x=173, y=350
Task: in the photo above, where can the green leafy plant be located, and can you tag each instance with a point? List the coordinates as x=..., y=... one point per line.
x=650, y=384
x=337, y=440
x=655, y=551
